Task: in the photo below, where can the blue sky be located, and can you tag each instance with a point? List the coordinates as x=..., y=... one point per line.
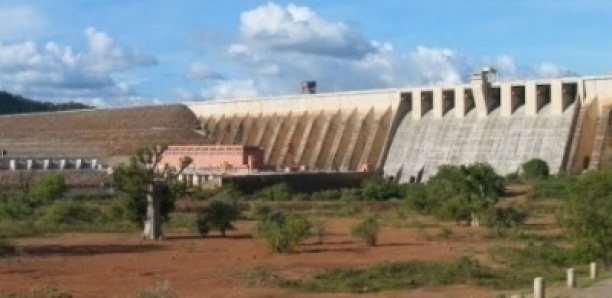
x=119, y=52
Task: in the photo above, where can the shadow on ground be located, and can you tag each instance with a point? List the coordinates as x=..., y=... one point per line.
x=87, y=250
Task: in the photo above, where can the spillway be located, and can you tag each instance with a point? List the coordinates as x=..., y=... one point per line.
x=421, y=145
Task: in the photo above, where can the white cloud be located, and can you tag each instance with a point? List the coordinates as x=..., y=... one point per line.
x=200, y=70
x=230, y=89
x=300, y=29
x=280, y=46
x=57, y=72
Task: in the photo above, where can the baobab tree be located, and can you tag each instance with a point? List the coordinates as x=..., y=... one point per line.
x=149, y=188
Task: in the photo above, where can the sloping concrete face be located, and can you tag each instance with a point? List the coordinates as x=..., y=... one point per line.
x=420, y=147
x=328, y=132
x=505, y=124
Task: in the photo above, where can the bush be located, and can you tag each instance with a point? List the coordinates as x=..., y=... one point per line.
x=218, y=215
x=260, y=210
x=379, y=189
x=283, y=233
x=534, y=169
x=14, y=208
x=503, y=219
x=559, y=187
x=277, y=192
x=49, y=188
x=327, y=195
x=71, y=213
x=402, y=275
x=366, y=228
x=416, y=199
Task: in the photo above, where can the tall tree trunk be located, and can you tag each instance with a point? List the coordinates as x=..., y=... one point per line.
x=474, y=222
x=153, y=224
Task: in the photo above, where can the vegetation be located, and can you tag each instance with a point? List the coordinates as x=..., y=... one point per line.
x=218, y=215
x=535, y=169
x=378, y=189
x=558, y=187
x=460, y=193
x=367, y=228
x=587, y=216
x=281, y=232
x=161, y=290
x=277, y=192
x=71, y=213
x=402, y=275
x=50, y=187
x=504, y=219
x=149, y=192
x=14, y=104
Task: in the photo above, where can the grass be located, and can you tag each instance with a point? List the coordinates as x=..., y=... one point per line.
x=387, y=276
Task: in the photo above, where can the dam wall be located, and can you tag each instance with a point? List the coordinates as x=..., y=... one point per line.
x=320, y=132
x=408, y=133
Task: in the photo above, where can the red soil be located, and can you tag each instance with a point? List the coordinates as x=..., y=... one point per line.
x=111, y=265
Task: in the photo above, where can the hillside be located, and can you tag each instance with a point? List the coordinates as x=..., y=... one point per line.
x=14, y=104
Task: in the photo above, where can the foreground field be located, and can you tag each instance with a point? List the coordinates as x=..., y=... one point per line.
x=111, y=265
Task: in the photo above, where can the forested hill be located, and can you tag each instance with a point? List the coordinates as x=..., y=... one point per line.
x=14, y=104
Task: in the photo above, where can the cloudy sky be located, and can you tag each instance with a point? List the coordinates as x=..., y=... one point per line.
x=120, y=52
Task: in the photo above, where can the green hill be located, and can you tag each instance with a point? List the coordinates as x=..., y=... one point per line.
x=15, y=104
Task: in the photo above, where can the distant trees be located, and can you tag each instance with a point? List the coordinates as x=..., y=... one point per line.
x=14, y=104
x=149, y=192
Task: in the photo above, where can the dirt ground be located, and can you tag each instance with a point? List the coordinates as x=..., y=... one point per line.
x=114, y=265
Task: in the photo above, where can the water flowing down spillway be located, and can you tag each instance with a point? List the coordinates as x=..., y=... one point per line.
x=420, y=146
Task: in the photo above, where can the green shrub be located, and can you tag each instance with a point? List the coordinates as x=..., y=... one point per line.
x=545, y=259
x=327, y=195
x=506, y=218
x=283, y=233
x=218, y=215
x=277, y=192
x=14, y=208
x=402, y=275
x=260, y=210
x=513, y=178
x=558, y=187
x=379, y=189
x=366, y=228
x=351, y=194
x=535, y=169
x=48, y=188
x=417, y=199
x=455, y=208
x=71, y=213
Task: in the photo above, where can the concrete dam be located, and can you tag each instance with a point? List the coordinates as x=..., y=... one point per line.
x=408, y=133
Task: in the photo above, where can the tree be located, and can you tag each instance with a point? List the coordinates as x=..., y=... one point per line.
x=283, y=233
x=149, y=190
x=218, y=215
x=367, y=228
x=50, y=187
x=535, y=169
x=587, y=216
x=473, y=188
